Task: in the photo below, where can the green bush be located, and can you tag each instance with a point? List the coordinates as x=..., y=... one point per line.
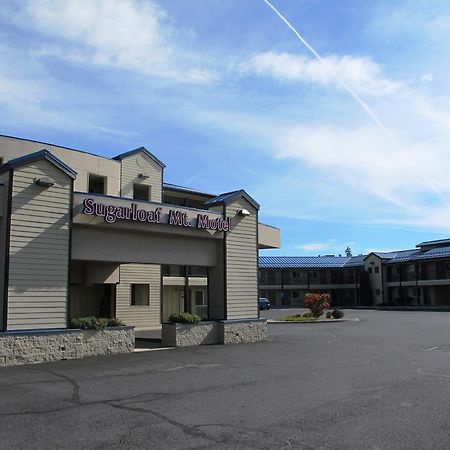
x=328, y=314
x=184, y=318
x=337, y=314
x=92, y=323
x=297, y=318
x=307, y=315
x=85, y=323
x=115, y=322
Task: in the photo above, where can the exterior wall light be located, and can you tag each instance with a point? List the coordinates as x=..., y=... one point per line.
x=44, y=182
x=243, y=212
x=142, y=176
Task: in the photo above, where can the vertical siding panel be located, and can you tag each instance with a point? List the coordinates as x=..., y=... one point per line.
x=35, y=221
x=139, y=316
x=132, y=167
x=241, y=262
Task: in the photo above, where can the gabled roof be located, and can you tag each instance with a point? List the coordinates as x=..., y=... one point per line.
x=36, y=156
x=437, y=242
x=397, y=255
x=228, y=197
x=141, y=150
x=310, y=262
x=419, y=255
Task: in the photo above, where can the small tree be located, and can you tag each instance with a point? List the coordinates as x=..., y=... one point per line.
x=348, y=252
x=317, y=303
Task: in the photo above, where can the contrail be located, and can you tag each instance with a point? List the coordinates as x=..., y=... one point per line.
x=364, y=105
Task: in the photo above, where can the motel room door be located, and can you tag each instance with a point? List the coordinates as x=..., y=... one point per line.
x=172, y=301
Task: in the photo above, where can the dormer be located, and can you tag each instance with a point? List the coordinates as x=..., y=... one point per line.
x=141, y=175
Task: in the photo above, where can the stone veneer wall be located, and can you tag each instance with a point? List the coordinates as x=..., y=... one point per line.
x=186, y=334
x=32, y=347
x=241, y=331
x=218, y=332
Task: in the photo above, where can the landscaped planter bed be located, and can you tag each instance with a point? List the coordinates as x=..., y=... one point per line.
x=214, y=332
x=29, y=347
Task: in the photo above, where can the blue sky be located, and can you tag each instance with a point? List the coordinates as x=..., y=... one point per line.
x=227, y=96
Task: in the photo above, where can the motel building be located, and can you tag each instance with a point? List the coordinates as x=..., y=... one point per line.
x=416, y=278
x=85, y=235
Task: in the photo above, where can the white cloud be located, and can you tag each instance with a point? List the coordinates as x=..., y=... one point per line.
x=331, y=245
x=361, y=74
x=314, y=246
x=125, y=34
x=427, y=77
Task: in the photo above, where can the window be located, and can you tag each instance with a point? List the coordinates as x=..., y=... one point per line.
x=199, y=302
x=369, y=270
x=376, y=269
x=96, y=184
x=140, y=294
x=141, y=192
x=295, y=294
x=295, y=274
x=200, y=298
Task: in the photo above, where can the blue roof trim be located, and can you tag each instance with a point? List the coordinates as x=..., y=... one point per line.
x=41, y=154
x=394, y=255
x=230, y=196
x=310, y=262
x=141, y=150
x=437, y=242
x=434, y=253
x=341, y=262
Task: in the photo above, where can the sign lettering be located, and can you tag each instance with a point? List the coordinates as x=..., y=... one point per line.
x=111, y=213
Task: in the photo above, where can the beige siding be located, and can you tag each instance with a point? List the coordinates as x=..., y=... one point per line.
x=139, y=316
x=138, y=163
x=39, y=249
x=242, y=262
x=376, y=280
x=82, y=163
x=4, y=189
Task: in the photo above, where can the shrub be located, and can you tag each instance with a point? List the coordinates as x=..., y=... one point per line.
x=92, y=323
x=85, y=323
x=317, y=303
x=184, y=318
x=101, y=323
x=328, y=314
x=337, y=314
x=307, y=315
x=115, y=322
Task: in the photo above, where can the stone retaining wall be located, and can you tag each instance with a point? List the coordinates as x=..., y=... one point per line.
x=187, y=334
x=241, y=331
x=32, y=347
x=218, y=332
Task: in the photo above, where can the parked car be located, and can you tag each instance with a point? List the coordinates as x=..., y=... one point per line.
x=264, y=303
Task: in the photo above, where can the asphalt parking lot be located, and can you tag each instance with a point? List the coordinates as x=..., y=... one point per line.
x=380, y=383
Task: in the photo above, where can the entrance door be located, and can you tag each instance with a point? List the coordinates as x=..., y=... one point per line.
x=172, y=301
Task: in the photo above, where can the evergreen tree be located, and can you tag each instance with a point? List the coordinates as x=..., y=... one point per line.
x=348, y=252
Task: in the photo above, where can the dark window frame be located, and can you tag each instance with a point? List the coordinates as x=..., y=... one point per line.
x=133, y=297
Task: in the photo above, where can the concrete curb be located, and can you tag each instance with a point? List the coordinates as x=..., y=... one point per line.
x=356, y=319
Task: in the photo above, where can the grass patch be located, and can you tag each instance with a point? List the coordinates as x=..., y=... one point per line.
x=296, y=318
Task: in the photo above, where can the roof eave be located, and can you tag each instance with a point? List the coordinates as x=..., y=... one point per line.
x=37, y=156
x=140, y=150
